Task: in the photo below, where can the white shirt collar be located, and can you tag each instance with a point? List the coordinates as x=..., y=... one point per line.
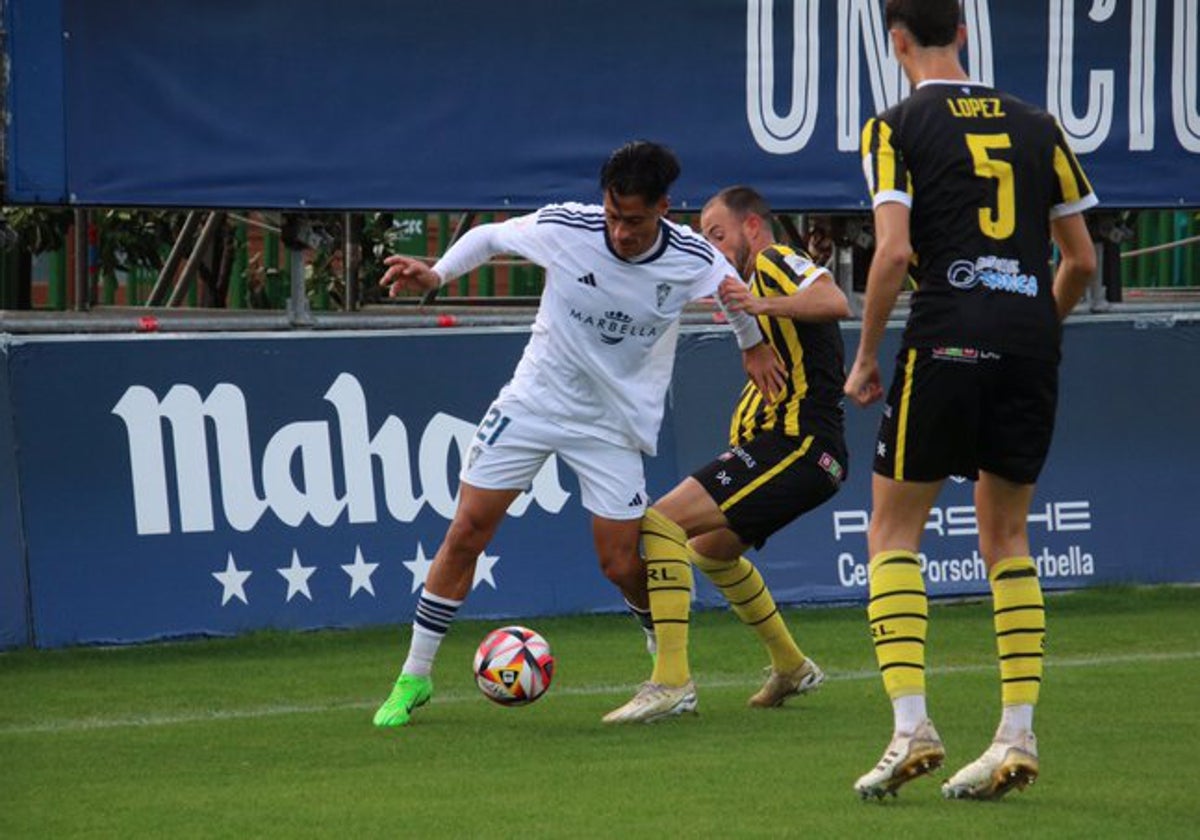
x=651, y=251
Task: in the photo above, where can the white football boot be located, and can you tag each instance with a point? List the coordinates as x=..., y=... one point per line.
x=655, y=701
x=1003, y=766
x=910, y=755
x=781, y=685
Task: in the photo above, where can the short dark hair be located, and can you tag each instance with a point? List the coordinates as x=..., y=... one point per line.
x=640, y=168
x=934, y=23
x=743, y=201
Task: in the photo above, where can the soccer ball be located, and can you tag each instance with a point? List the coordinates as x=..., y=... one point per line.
x=513, y=666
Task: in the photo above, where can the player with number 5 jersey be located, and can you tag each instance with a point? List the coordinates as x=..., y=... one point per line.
x=968, y=185
x=590, y=386
x=970, y=161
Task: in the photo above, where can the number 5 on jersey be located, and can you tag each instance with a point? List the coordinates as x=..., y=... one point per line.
x=1002, y=221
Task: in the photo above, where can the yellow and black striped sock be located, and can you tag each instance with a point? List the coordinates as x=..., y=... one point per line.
x=744, y=588
x=669, y=582
x=1020, y=616
x=898, y=612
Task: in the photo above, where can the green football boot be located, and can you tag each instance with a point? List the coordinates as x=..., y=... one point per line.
x=409, y=692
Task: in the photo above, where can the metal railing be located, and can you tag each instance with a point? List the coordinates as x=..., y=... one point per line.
x=272, y=286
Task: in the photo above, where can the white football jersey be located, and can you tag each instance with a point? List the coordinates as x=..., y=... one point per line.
x=603, y=345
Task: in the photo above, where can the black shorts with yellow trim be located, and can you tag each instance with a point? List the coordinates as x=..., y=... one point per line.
x=767, y=482
x=958, y=410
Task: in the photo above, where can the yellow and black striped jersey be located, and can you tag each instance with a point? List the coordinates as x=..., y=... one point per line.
x=812, y=353
x=983, y=174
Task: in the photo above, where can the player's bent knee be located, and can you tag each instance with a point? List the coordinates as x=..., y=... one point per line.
x=626, y=571
x=470, y=534
x=623, y=575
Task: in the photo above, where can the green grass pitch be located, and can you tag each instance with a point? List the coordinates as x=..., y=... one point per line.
x=270, y=735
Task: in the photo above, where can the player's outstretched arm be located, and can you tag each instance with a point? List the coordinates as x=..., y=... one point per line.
x=1078, y=261
x=473, y=249
x=818, y=301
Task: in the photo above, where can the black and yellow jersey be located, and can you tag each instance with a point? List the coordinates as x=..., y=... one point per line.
x=812, y=353
x=983, y=173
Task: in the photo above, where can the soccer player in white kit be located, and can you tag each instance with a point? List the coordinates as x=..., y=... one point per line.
x=590, y=386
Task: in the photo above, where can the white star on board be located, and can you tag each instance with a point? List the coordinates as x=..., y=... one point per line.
x=419, y=566
x=297, y=577
x=232, y=581
x=360, y=573
x=483, y=570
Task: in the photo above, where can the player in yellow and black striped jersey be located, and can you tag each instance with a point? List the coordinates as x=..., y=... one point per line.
x=812, y=352
x=968, y=185
x=786, y=456
x=982, y=172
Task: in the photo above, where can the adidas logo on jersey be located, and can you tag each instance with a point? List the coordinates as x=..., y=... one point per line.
x=588, y=279
x=637, y=500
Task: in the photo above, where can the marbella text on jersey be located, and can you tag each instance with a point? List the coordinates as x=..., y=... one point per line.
x=614, y=325
x=249, y=483
x=1087, y=118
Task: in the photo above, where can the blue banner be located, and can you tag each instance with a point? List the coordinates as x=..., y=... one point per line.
x=173, y=486
x=472, y=104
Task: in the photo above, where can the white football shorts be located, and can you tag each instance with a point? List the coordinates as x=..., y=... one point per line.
x=513, y=442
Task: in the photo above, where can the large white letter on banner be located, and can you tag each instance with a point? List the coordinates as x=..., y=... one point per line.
x=789, y=133
x=1088, y=131
x=1141, y=74
x=978, y=20
x=1183, y=76
x=860, y=22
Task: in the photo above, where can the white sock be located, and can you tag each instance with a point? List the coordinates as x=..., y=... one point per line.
x=1015, y=720
x=647, y=622
x=421, y=652
x=430, y=625
x=651, y=643
x=909, y=712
